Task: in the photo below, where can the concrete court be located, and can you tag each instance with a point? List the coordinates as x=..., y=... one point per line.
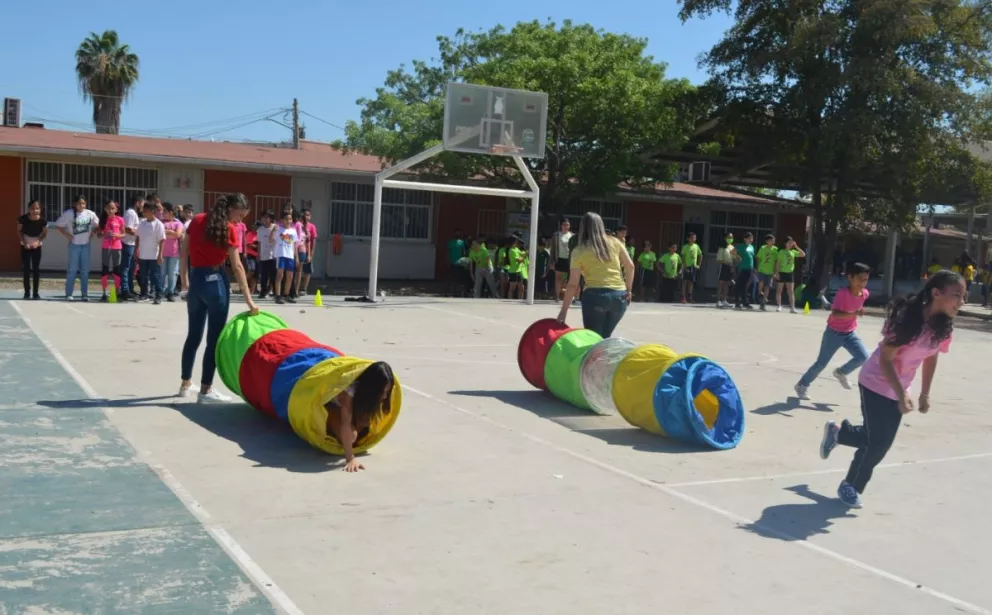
x=489, y=497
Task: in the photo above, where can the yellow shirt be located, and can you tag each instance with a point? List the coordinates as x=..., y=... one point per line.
x=601, y=274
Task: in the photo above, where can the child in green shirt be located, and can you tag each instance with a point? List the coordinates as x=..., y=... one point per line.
x=785, y=271
x=767, y=261
x=692, y=259
x=514, y=263
x=670, y=266
x=481, y=268
x=646, y=264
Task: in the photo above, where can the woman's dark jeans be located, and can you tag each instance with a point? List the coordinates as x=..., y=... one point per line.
x=207, y=303
x=602, y=309
x=31, y=264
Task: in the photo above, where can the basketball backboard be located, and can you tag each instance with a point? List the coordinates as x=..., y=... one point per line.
x=480, y=119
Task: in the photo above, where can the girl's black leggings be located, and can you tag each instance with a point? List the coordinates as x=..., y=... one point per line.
x=31, y=265
x=872, y=439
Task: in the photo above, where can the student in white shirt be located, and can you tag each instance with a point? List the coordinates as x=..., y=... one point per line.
x=129, y=263
x=78, y=225
x=151, y=239
x=267, y=255
x=286, y=258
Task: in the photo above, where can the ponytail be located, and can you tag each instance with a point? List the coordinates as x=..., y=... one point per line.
x=905, y=320
x=217, y=218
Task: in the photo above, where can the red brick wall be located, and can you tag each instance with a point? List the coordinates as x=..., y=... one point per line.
x=643, y=220
x=458, y=212
x=791, y=224
x=248, y=183
x=11, y=207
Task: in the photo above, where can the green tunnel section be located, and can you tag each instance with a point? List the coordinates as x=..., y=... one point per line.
x=236, y=338
x=563, y=366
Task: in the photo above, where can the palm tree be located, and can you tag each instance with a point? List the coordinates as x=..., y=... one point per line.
x=107, y=71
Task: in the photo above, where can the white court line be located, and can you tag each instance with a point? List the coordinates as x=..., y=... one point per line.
x=737, y=519
x=897, y=464
x=469, y=361
x=72, y=308
x=502, y=323
x=262, y=580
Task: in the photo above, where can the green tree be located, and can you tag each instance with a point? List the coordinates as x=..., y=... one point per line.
x=608, y=102
x=867, y=104
x=107, y=72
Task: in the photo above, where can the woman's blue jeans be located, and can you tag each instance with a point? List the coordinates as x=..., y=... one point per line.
x=79, y=266
x=832, y=342
x=207, y=304
x=602, y=309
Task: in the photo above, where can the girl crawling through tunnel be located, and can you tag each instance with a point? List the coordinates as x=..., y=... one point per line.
x=355, y=408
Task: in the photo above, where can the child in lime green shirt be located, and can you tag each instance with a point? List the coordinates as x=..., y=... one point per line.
x=785, y=272
x=670, y=266
x=646, y=262
x=767, y=261
x=514, y=263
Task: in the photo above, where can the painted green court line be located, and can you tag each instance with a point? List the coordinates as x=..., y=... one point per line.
x=85, y=526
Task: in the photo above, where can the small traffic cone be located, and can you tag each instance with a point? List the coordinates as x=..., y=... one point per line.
x=317, y=300
x=806, y=308
x=112, y=296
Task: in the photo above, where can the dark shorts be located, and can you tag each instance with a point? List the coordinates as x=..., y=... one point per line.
x=515, y=278
x=765, y=278
x=111, y=258
x=689, y=274
x=648, y=278
x=786, y=278
x=251, y=264
x=726, y=273
x=286, y=264
x=562, y=265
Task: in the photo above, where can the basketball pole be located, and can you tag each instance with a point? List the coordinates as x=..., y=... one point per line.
x=382, y=181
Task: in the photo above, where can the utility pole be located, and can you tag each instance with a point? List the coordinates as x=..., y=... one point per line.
x=296, y=124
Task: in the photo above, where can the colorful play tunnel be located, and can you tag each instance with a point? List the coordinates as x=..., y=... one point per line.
x=685, y=397
x=285, y=374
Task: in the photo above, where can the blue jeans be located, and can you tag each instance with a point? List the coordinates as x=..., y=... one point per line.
x=207, y=303
x=127, y=268
x=602, y=309
x=832, y=342
x=151, y=269
x=79, y=265
x=171, y=271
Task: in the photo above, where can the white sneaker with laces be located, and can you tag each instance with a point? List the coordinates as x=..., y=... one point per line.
x=212, y=397
x=185, y=390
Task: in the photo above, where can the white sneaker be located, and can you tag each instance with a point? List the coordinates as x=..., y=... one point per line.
x=842, y=379
x=778, y=309
x=793, y=311
x=185, y=390
x=212, y=397
x=802, y=392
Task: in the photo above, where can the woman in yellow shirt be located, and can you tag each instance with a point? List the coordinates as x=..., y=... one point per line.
x=609, y=274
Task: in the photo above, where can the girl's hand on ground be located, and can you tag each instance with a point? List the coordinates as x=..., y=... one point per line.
x=924, y=403
x=353, y=466
x=905, y=404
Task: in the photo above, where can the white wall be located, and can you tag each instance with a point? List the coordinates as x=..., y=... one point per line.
x=313, y=193
x=180, y=185
x=398, y=260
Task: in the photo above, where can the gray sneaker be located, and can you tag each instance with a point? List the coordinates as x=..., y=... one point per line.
x=802, y=391
x=842, y=379
x=849, y=495
x=829, y=442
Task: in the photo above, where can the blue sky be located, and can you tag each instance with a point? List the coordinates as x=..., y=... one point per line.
x=203, y=64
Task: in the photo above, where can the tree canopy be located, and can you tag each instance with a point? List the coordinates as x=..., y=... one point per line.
x=608, y=102
x=107, y=72
x=869, y=103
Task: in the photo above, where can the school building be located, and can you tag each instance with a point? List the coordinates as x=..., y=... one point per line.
x=54, y=166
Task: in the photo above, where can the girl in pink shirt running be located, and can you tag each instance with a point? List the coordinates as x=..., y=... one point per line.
x=840, y=332
x=916, y=330
x=112, y=230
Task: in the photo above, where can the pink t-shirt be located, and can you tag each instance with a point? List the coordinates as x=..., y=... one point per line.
x=241, y=229
x=844, y=301
x=310, y=235
x=907, y=360
x=171, y=245
x=114, y=226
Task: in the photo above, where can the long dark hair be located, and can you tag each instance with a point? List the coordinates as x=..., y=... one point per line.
x=217, y=219
x=905, y=319
x=103, y=214
x=369, y=387
x=40, y=207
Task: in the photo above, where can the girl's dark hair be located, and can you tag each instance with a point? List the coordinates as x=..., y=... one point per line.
x=904, y=318
x=769, y=236
x=857, y=269
x=169, y=207
x=217, y=222
x=369, y=387
x=103, y=214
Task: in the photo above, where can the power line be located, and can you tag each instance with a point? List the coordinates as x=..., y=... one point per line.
x=322, y=120
x=187, y=131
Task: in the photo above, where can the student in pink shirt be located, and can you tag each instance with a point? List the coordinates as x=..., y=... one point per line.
x=112, y=230
x=840, y=332
x=174, y=231
x=917, y=329
x=308, y=240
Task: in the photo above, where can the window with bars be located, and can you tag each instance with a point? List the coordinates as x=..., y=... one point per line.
x=57, y=184
x=611, y=212
x=738, y=223
x=406, y=214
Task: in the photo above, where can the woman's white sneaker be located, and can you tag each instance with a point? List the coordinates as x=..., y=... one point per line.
x=842, y=379
x=212, y=397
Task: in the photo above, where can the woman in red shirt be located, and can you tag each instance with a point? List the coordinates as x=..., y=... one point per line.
x=211, y=239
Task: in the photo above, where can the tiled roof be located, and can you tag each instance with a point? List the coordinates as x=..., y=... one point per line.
x=312, y=156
